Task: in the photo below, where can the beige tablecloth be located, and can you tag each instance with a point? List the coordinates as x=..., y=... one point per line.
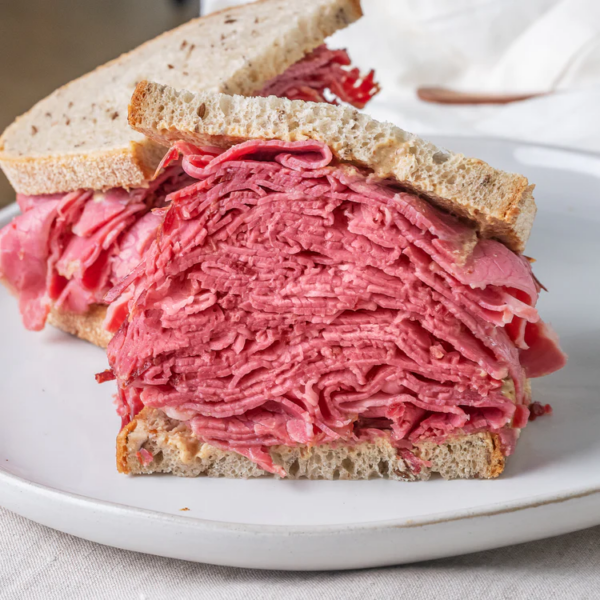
x=40, y=563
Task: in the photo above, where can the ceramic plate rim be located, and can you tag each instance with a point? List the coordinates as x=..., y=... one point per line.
x=42, y=491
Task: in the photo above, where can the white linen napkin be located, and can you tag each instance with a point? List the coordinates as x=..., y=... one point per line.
x=514, y=46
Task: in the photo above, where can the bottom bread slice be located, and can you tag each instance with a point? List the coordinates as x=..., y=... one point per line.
x=174, y=449
x=87, y=326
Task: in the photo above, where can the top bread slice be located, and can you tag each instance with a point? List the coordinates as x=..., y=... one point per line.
x=500, y=205
x=78, y=136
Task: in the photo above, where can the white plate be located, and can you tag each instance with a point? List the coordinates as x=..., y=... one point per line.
x=57, y=432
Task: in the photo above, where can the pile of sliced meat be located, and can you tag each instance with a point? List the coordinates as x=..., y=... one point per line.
x=68, y=250
x=290, y=300
x=321, y=77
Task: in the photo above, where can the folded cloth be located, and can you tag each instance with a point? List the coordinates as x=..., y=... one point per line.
x=550, y=47
x=568, y=119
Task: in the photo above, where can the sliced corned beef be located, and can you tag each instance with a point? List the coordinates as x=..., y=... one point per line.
x=65, y=250
x=321, y=77
x=290, y=300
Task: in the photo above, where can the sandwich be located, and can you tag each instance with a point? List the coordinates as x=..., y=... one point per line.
x=85, y=181
x=325, y=296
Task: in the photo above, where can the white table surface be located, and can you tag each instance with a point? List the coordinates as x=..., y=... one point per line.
x=40, y=563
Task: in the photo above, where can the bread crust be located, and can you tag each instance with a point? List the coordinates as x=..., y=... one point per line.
x=175, y=450
x=499, y=205
x=129, y=167
x=88, y=326
x=122, y=449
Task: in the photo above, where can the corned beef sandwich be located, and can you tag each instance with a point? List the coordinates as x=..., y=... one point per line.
x=326, y=296
x=84, y=178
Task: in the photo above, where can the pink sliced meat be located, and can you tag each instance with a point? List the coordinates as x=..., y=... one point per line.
x=134, y=242
x=23, y=259
x=543, y=355
x=103, y=210
x=291, y=301
x=69, y=250
x=323, y=76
